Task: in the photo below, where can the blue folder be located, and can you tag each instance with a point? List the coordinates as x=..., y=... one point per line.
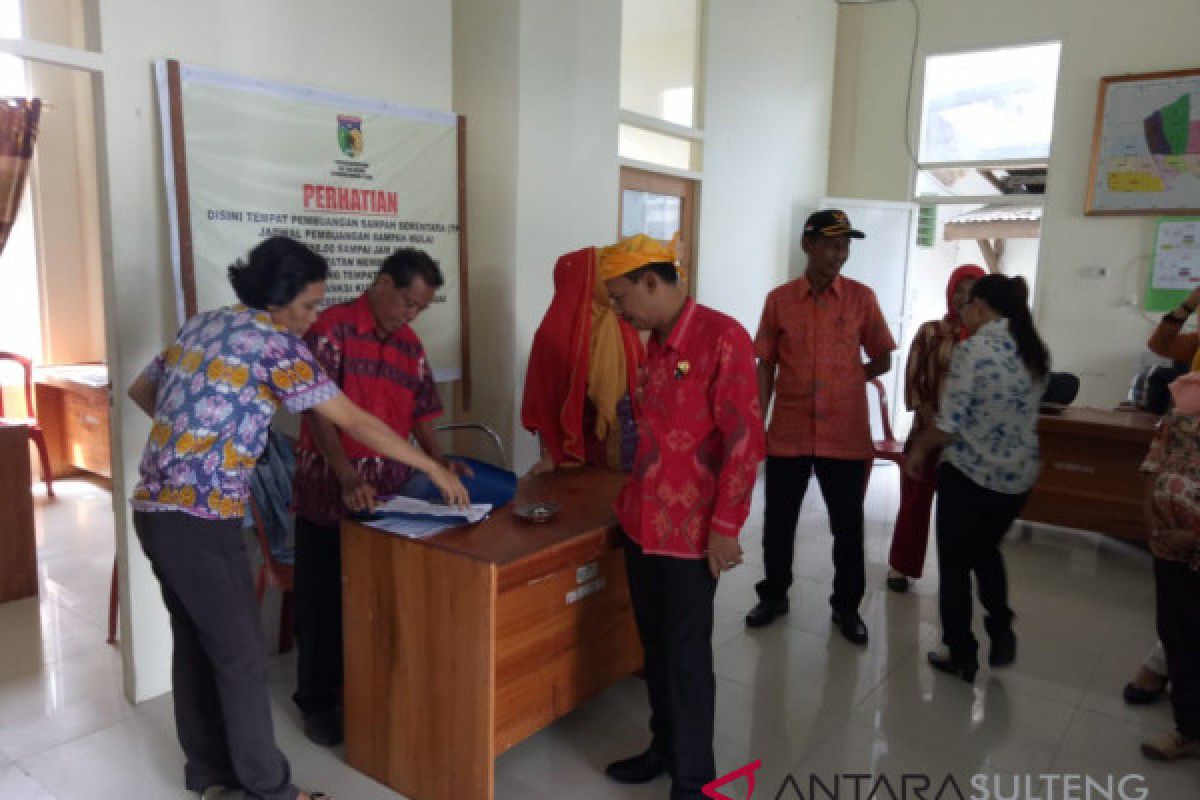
x=490, y=484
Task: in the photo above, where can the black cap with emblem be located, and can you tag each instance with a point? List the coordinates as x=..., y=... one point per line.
x=831, y=224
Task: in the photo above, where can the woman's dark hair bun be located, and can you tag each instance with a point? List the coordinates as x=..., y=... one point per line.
x=275, y=272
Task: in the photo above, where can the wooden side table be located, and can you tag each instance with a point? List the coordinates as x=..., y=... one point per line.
x=72, y=408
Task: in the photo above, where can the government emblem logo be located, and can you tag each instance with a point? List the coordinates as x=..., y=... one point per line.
x=350, y=135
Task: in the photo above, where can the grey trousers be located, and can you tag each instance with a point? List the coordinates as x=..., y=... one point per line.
x=219, y=664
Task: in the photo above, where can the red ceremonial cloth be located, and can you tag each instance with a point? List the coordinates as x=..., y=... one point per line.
x=556, y=387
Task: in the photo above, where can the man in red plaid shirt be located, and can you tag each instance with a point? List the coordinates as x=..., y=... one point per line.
x=368, y=348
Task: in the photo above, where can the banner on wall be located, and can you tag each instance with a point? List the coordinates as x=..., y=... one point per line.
x=352, y=178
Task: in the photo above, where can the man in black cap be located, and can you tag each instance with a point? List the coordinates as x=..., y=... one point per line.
x=810, y=345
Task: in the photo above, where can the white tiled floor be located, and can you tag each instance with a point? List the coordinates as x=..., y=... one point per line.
x=804, y=702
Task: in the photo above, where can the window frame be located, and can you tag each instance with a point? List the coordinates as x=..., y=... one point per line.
x=693, y=135
x=919, y=166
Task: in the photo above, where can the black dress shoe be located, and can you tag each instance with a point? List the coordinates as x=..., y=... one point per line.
x=953, y=666
x=850, y=625
x=1004, y=650
x=641, y=768
x=765, y=613
x=1135, y=695
x=324, y=728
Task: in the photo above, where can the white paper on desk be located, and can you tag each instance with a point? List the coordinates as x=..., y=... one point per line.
x=411, y=505
x=407, y=526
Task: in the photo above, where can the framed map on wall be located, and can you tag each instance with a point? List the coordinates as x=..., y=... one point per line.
x=1146, y=145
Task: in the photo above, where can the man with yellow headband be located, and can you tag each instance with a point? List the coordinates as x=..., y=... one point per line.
x=700, y=440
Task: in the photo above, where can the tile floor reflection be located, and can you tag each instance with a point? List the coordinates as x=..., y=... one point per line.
x=803, y=701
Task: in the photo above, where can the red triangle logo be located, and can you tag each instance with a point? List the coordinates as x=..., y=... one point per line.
x=711, y=789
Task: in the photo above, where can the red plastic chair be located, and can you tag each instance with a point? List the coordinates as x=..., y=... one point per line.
x=275, y=575
x=888, y=448
x=30, y=421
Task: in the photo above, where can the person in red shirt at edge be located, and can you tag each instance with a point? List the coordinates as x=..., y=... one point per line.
x=700, y=441
x=367, y=347
x=809, y=345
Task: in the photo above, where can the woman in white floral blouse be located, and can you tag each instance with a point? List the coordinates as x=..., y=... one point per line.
x=987, y=428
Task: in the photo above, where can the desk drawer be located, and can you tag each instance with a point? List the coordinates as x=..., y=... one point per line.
x=1103, y=467
x=87, y=433
x=560, y=638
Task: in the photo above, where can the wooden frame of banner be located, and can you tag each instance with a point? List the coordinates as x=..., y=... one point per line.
x=464, y=302
x=187, y=263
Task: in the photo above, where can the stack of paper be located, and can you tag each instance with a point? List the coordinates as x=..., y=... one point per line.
x=408, y=516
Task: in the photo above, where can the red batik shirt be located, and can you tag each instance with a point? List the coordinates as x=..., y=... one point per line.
x=390, y=378
x=700, y=437
x=817, y=342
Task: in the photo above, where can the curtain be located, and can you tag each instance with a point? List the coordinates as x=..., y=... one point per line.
x=18, y=130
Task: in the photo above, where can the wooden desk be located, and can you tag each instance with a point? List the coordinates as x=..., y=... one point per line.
x=460, y=646
x=18, y=539
x=72, y=409
x=1090, y=477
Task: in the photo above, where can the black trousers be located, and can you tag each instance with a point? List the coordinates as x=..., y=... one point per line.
x=318, y=603
x=219, y=663
x=971, y=522
x=673, y=606
x=843, y=483
x=1177, y=592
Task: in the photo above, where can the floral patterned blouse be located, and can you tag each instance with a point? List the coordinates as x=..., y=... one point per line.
x=989, y=406
x=218, y=386
x=928, y=363
x=1174, y=461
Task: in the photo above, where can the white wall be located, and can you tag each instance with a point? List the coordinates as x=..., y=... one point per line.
x=398, y=50
x=537, y=79
x=567, y=174
x=1100, y=37
x=659, y=49
x=769, y=79
x=64, y=195
x=66, y=204
x=486, y=45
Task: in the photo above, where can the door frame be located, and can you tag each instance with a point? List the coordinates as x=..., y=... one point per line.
x=688, y=190
x=899, y=359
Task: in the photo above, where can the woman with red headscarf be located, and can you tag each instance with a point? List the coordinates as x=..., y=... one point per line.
x=581, y=367
x=928, y=362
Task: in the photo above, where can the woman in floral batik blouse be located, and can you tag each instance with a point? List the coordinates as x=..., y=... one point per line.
x=1173, y=516
x=212, y=395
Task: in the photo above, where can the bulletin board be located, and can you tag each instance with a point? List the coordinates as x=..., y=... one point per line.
x=1146, y=145
x=352, y=177
x=1174, y=264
